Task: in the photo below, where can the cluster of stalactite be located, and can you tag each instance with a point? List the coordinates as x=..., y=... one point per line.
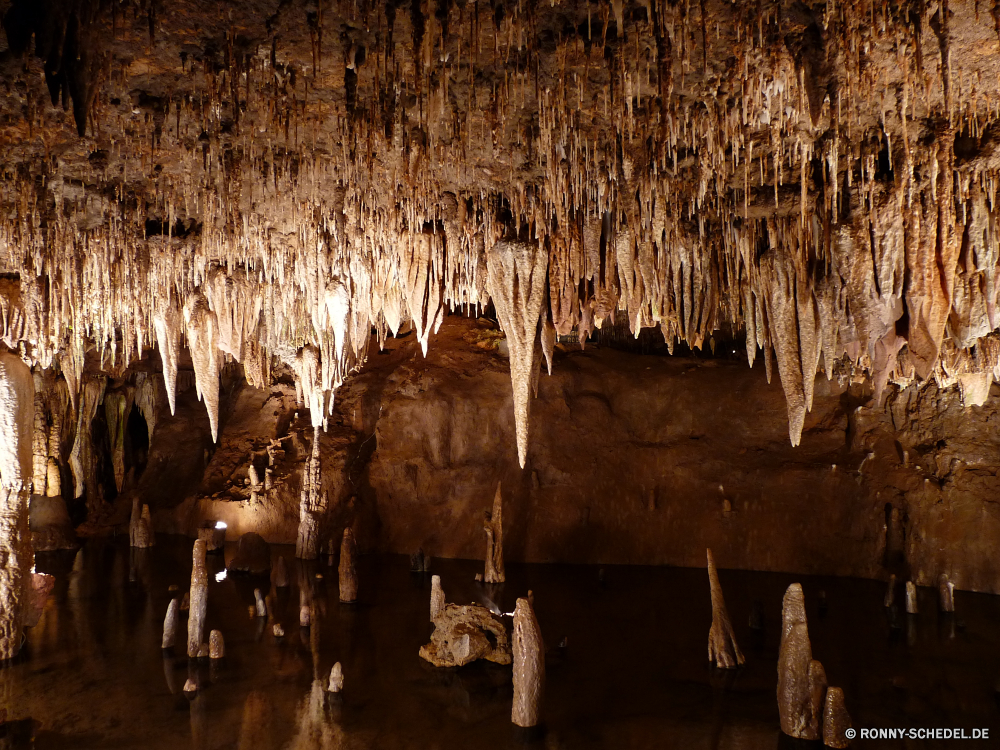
x=820, y=175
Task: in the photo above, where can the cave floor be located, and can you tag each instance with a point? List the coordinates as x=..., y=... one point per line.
x=632, y=674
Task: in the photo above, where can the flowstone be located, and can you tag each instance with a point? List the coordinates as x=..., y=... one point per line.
x=460, y=637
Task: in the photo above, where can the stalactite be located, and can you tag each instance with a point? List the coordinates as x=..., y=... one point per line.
x=202, y=335
x=167, y=323
x=517, y=287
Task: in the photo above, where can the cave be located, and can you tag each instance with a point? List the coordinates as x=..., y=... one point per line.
x=446, y=374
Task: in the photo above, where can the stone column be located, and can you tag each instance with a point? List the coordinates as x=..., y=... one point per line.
x=529, y=667
x=310, y=506
x=199, y=600
x=348, y=572
x=17, y=402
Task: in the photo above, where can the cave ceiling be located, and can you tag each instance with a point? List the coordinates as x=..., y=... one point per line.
x=266, y=182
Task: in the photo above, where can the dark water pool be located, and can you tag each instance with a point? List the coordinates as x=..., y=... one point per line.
x=633, y=672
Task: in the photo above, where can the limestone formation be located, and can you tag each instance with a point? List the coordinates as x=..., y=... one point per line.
x=890, y=591
x=347, y=568
x=722, y=648
x=336, y=682
x=800, y=700
x=459, y=637
x=312, y=504
x=199, y=600
x=517, y=286
x=529, y=667
x=261, y=607
x=494, y=542
x=946, y=594
x=216, y=645
x=140, y=528
x=836, y=720
x=170, y=624
x=17, y=400
x=437, y=597
x=911, y=598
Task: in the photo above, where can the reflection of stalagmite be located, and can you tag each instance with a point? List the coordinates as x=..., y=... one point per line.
x=529, y=667
x=437, y=597
x=517, y=287
x=911, y=598
x=800, y=678
x=140, y=527
x=347, y=569
x=836, y=720
x=257, y=730
x=494, y=542
x=17, y=402
x=202, y=334
x=317, y=730
x=722, y=648
x=199, y=599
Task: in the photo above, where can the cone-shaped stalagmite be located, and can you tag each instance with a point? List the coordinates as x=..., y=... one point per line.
x=722, y=648
x=494, y=542
x=800, y=699
x=17, y=403
x=437, y=596
x=170, y=624
x=199, y=600
x=517, y=287
x=836, y=720
x=347, y=570
x=216, y=645
x=529, y=667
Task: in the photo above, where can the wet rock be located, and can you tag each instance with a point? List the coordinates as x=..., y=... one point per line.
x=261, y=606
x=50, y=524
x=722, y=648
x=911, y=598
x=437, y=597
x=253, y=555
x=191, y=685
x=836, y=720
x=529, y=667
x=800, y=705
x=347, y=569
x=199, y=600
x=170, y=624
x=459, y=637
x=305, y=616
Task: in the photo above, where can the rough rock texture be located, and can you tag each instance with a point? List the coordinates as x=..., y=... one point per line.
x=216, y=645
x=459, y=637
x=199, y=600
x=495, y=572
x=253, y=555
x=836, y=720
x=723, y=651
x=50, y=524
x=140, y=528
x=336, y=681
x=170, y=624
x=437, y=597
x=17, y=399
x=801, y=680
x=529, y=667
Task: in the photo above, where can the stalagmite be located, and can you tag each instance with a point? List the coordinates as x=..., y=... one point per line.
x=261, y=607
x=199, y=600
x=170, y=624
x=517, y=287
x=800, y=701
x=347, y=569
x=437, y=597
x=722, y=648
x=494, y=541
x=336, y=681
x=216, y=645
x=140, y=527
x=890, y=591
x=17, y=402
x=529, y=667
x=311, y=505
x=911, y=598
x=946, y=593
x=836, y=720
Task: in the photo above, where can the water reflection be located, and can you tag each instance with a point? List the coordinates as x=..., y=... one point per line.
x=633, y=672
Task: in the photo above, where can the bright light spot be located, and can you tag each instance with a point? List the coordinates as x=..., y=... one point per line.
x=220, y=524
x=220, y=576
x=507, y=614
x=32, y=569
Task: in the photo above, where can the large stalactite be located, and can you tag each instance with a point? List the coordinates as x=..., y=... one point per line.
x=822, y=176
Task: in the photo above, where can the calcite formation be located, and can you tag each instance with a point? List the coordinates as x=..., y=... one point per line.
x=437, y=597
x=722, y=649
x=336, y=682
x=911, y=598
x=270, y=187
x=529, y=667
x=199, y=600
x=946, y=594
x=140, y=527
x=216, y=645
x=836, y=720
x=347, y=570
x=495, y=572
x=801, y=679
x=459, y=637
x=170, y=624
